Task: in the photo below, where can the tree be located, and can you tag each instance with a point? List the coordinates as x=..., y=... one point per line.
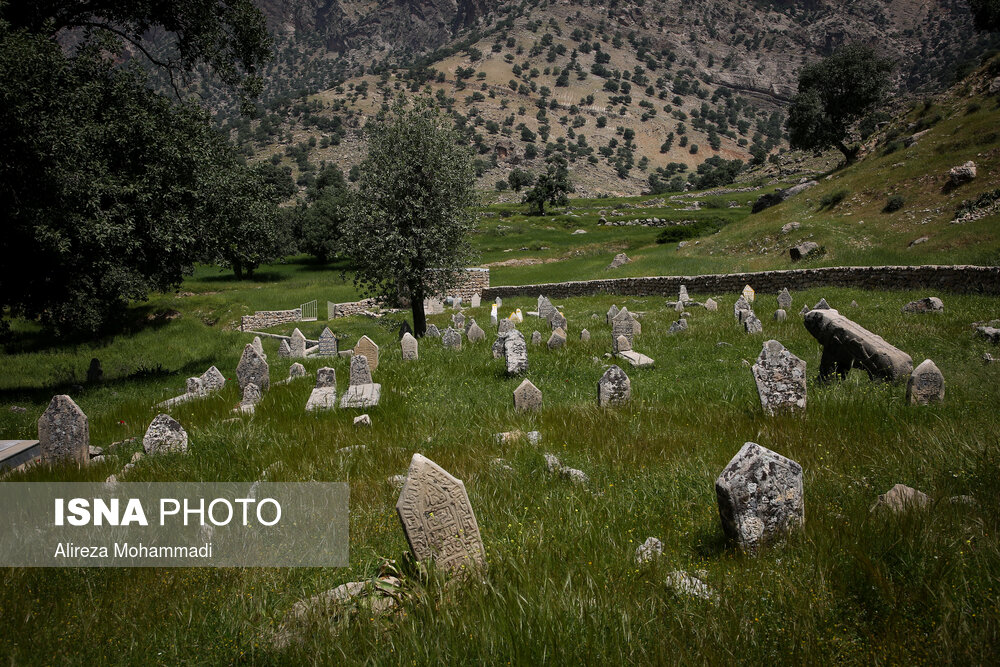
x=833, y=95
x=986, y=14
x=551, y=187
x=324, y=221
x=409, y=226
x=519, y=178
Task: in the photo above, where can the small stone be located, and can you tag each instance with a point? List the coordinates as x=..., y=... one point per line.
x=165, y=435
x=678, y=326
x=926, y=384
x=623, y=344
x=557, y=339
x=902, y=498
x=790, y=227
x=803, y=250
x=363, y=420
x=584, y=336
x=649, y=550
x=962, y=174
x=536, y=337
x=621, y=259
x=683, y=583
x=922, y=239
x=930, y=304
x=711, y=306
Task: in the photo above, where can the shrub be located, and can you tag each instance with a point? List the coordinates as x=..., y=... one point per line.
x=830, y=200
x=893, y=204
x=696, y=228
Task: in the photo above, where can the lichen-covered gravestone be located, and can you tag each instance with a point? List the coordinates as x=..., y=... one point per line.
x=784, y=299
x=741, y=306
x=622, y=325
x=259, y=346
x=926, y=384
x=515, y=353
x=361, y=372
x=545, y=308
x=297, y=344
x=326, y=377
x=451, y=339
x=165, y=435
x=253, y=368
x=251, y=397
x=432, y=331
x=760, y=496
x=678, y=326
x=212, y=380
x=296, y=370
x=437, y=518
x=557, y=321
x=64, y=432
x=475, y=333
x=527, y=397
x=408, y=346
x=613, y=388
x=367, y=347
x=458, y=320
x=324, y=394
x=752, y=324
x=780, y=378
x=557, y=339
x=284, y=349
x=327, y=343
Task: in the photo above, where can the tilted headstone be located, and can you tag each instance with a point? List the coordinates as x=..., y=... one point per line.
x=327, y=343
x=326, y=377
x=623, y=325
x=253, y=368
x=760, y=496
x=752, y=324
x=784, y=299
x=584, y=336
x=432, y=331
x=527, y=397
x=614, y=388
x=612, y=311
x=361, y=371
x=367, y=347
x=711, y=306
x=437, y=518
x=557, y=339
x=475, y=333
x=451, y=339
x=476, y=300
x=297, y=344
x=545, y=308
x=557, y=321
x=926, y=384
x=296, y=370
x=515, y=353
x=780, y=378
x=742, y=305
x=212, y=380
x=193, y=386
x=409, y=348
x=165, y=435
x=847, y=344
x=64, y=432
x=284, y=349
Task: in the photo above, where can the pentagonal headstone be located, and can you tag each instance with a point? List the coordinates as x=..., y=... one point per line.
x=584, y=336
x=515, y=353
x=748, y=294
x=612, y=311
x=326, y=377
x=614, y=388
x=476, y=300
x=64, y=432
x=926, y=384
x=253, y=368
x=822, y=305
x=760, y=496
x=297, y=344
x=784, y=299
x=451, y=339
x=437, y=518
x=432, y=331
x=458, y=320
x=805, y=310
x=409, y=347
x=165, y=435
x=780, y=378
x=622, y=325
x=296, y=370
x=475, y=333
x=327, y=343
x=557, y=339
x=527, y=397
x=557, y=321
x=361, y=372
x=284, y=349
x=545, y=308
x=536, y=337
x=741, y=306
x=212, y=380
x=367, y=347
x=711, y=305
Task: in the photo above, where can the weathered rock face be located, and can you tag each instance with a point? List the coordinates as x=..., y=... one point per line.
x=408, y=346
x=367, y=348
x=847, y=344
x=926, y=384
x=613, y=388
x=515, y=353
x=437, y=518
x=790, y=227
x=929, y=304
x=775, y=198
x=621, y=259
x=451, y=339
x=165, y=435
x=780, y=378
x=253, y=368
x=803, y=250
x=360, y=370
x=962, y=173
x=527, y=397
x=760, y=496
x=902, y=498
x=64, y=432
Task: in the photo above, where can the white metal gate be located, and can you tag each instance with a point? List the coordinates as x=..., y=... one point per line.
x=309, y=311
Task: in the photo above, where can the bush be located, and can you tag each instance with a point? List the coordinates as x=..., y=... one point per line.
x=893, y=204
x=502, y=185
x=701, y=227
x=831, y=199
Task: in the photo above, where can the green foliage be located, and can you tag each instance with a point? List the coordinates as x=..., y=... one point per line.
x=834, y=94
x=831, y=199
x=519, y=178
x=408, y=231
x=328, y=212
x=700, y=227
x=982, y=201
x=553, y=186
x=893, y=204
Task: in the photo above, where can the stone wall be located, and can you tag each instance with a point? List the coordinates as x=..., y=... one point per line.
x=350, y=308
x=961, y=279
x=475, y=281
x=264, y=319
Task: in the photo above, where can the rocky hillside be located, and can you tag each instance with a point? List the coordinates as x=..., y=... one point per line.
x=626, y=90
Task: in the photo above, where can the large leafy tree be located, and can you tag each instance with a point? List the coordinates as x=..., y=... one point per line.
x=833, y=95
x=109, y=190
x=409, y=226
x=323, y=222
x=552, y=187
x=986, y=14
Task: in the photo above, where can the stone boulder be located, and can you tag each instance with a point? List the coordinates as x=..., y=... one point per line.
x=929, y=304
x=621, y=259
x=803, y=250
x=962, y=174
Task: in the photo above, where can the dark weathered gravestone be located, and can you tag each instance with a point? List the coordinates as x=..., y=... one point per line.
x=784, y=299
x=613, y=388
x=64, y=432
x=432, y=331
x=545, y=308
x=361, y=372
x=926, y=384
x=326, y=377
x=212, y=380
x=451, y=339
x=847, y=344
x=95, y=373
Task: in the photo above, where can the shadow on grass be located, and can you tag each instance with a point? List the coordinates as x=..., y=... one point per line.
x=134, y=320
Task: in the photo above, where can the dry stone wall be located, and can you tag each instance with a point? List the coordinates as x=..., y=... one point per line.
x=961, y=279
x=265, y=319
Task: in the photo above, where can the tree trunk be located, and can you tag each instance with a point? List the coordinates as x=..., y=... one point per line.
x=238, y=269
x=850, y=154
x=419, y=317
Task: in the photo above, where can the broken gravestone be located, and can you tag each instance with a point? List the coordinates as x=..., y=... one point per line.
x=930, y=304
x=527, y=397
x=847, y=344
x=297, y=344
x=557, y=339
x=780, y=378
x=926, y=384
x=613, y=388
x=64, y=432
x=361, y=372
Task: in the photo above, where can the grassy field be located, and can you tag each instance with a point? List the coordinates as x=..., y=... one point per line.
x=562, y=585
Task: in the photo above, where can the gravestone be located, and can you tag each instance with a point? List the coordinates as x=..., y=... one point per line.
x=614, y=388
x=752, y=324
x=458, y=321
x=498, y=302
x=361, y=372
x=476, y=300
x=679, y=307
x=780, y=378
x=212, y=380
x=527, y=397
x=475, y=333
x=557, y=339
x=557, y=321
x=805, y=309
x=165, y=436
x=298, y=344
x=678, y=326
x=623, y=344
x=324, y=394
x=193, y=387
x=822, y=305
x=780, y=315
x=296, y=370
x=683, y=297
x=926, y=384
x=361, y=396
x=253, y=368
x=784, y=299
x=636, y=325
x=515, y=353
x=494, y=319
x=95, y=373
x=433, y=306
x=545, y=308
x=612, y=311
x=325, y=378
x=457, y=302
x=536, y=337
x=742, y=305
x=408, y=345
x=451, y=339
x=711, y=306
x=284, y=349
x=259, y=346
x=367, y=348
x=623, y=325
x=748, y=294
x=432, y=331
x=847, y=344
x=64, y=432
x=760, y=496
x=251, y=397
x=505, y=325
x=584, y=336
x=437, y=518
x=327, y=343
x=930, y=304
